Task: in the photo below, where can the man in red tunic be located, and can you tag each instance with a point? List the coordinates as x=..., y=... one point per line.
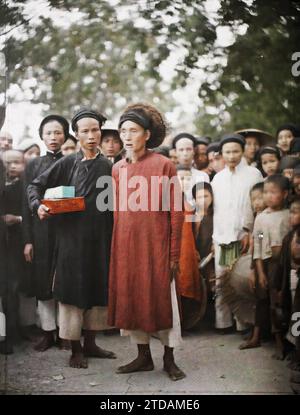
x=146, y=242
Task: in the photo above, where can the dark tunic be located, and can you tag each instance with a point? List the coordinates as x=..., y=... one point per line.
x=82, y=252
x=13, y=206
x=40, y=234
x=15, y=260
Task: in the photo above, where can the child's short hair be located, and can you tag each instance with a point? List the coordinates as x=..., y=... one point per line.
x=282, y=182
x=258, y=186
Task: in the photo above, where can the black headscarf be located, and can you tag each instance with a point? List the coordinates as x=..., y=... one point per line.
x=54, y=117
x=140, y=117
x=87, y=113
x=232, y=138
x=184, y=135
x=295, y=129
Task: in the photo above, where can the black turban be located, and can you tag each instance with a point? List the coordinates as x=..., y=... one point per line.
x=213, y=147
x=87, y=113
x=184, y=135
x=136, y=116
x=140, y=117
x=53, y=117
x=291, y=127
x=232, y=138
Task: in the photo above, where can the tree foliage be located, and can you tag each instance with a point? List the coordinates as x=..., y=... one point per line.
x=113, y=54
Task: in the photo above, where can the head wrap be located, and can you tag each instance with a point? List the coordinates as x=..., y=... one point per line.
x=184, y=135
x=53, y=117
x=295, y=145
x=295, y=130
x=202, y=140
x=87, y=113
x=289, y=162
x=137, y=116
x=232, y=138
x=213, y=147
x=140, y=117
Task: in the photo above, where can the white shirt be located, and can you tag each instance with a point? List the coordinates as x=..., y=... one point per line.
x=232, y=204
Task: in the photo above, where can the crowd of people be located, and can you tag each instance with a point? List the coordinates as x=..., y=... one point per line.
x=235, y=242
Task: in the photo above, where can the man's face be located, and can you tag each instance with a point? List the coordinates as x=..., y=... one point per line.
x=53, y=135
x=110, y=145
x=6, y=142
x=296, y=184
x=14, y=163
x=251, y=147
x=89, y=134
x=201, y=158
x=284, y=140
x=185, y=151
x=232, y=154
x=134, y=137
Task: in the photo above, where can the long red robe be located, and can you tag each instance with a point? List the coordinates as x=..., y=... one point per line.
x=143, y=244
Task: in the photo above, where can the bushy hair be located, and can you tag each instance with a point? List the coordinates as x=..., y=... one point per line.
x=158, y=126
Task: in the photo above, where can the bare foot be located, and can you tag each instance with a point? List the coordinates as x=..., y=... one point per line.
x=78, y=361
x=250, y=344
x=96, y=351
x=140, y=364
x=173, y=371
x=63, y=344
x=46, y=342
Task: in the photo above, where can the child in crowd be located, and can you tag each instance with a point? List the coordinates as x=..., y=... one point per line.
x=14, y=163
x=287, y=166
x=188, y=278
x=288, y=273
x=258, y=206
x=270, y=227
x=203, y=229
x=296, y=181
x=268, y=160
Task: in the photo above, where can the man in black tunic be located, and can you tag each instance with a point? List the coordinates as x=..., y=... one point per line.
x=39, y=237
x=83, y=240
x=11, y=215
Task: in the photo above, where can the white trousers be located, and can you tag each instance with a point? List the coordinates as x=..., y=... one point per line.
x=73, y=319
x=170, y=337
x=224, y=317
x=47, y=314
